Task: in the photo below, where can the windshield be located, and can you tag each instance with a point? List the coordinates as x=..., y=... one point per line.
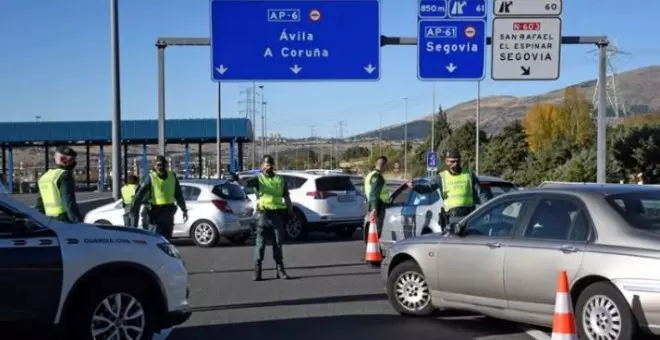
x=229, y=191
x=640, y=209
x=498, y=188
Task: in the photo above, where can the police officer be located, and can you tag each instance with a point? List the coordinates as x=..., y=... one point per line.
x=127, y=194
x=377, y=193
x=273, y=203
x=161, y=188
x=459, y=187
x=57, y=188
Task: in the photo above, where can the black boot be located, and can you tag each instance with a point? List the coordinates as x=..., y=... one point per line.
x=281, y=273
x=257, y=272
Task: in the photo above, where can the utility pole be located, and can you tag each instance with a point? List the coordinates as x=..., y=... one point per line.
x=433, y=122
x=116, y=91
x=254, y=125
x=476, y=157
x=263, y=129
x=380, y=132
x=405, y=141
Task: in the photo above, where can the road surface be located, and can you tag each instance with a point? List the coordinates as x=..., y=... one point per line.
x=333, y=296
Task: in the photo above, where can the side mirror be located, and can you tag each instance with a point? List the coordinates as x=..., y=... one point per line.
x=455, y=229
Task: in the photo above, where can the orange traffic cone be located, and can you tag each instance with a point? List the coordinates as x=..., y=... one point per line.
x=372, y=255
x=563, y=323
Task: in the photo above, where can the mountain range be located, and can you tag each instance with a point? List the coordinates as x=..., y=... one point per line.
x=638, y=90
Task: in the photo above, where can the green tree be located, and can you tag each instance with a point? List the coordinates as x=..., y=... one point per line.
x=355, y=152
x=636, y=148
x=574, y=119
x=580, y=168
x=464, y=139
x=506, y=153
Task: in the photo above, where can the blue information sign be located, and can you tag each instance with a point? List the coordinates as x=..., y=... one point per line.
x=451, y=46
x=295, y=40
x=432, y=161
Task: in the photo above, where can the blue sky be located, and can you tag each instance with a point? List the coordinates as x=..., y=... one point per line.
x=54, y=62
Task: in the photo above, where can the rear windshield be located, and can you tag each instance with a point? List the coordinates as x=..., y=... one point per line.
x=498, y=188
x=229, y=191
x=334, y=183
x=640, y=209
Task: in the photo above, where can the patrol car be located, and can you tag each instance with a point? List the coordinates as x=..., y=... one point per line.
x=87, y=281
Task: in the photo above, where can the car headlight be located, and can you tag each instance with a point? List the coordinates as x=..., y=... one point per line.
x=170, y=250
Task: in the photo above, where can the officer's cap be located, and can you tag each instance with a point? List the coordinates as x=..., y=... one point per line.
x=269, y=159
x=453, y=153
x=66, y=151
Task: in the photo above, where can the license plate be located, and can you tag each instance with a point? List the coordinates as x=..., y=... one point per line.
x=346, y=198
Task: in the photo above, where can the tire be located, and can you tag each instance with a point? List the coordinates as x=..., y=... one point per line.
x=238, y=239
x=586, y=311
x=365, y=233
x=345, y=233
x=92, y=305
x=294, y=228
x=103, y=222
x=413, y=290
x=204, y=234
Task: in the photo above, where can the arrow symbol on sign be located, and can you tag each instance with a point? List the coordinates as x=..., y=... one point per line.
x=525, y=70
x=222, y=69
x=369, y=68
x=451, y=67
x=295, y=69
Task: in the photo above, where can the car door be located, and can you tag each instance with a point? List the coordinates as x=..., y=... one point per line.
x=427, y=213
x=190, y=194
x=553, y=239
x=30, y=269
x=396, y=215
x=470, y=266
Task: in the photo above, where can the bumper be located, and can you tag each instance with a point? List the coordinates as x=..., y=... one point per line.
x=171, y=319
x=643, y=297
x=230, y=226
x=174, y=279
x=329, y=223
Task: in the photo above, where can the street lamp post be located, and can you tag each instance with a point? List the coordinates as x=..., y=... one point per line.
x=405, y=141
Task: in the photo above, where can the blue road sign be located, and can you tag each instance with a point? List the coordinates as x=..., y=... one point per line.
x=431, y=161
x=436, y=9
x=295, y=40
x=451, y=49
x=466, y=9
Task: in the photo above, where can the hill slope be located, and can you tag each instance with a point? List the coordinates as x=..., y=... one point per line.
x=639, y=89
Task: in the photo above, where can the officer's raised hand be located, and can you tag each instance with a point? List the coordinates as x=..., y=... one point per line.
x=185, y=216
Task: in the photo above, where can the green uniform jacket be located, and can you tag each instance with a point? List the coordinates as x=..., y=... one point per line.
x=67, y=186
x=143, y=194
x=480, y=196
x=373, y=197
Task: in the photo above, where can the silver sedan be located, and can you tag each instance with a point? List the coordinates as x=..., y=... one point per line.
x=503, y=260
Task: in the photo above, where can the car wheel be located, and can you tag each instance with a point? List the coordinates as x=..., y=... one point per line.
x=603, y=313
x=345, y=233
x=294, y=228
x=238, y=239
x=117, y=309
x=204, y=234
x=102, y=222
x=408, y=291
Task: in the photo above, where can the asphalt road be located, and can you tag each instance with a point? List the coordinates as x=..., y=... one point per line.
x=332, y=295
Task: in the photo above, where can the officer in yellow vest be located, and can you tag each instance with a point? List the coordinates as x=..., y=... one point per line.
x=57, y=188
x=378, y=194
x=459, y=188
x=273, y=205
x=162, y=190
x=127, y=194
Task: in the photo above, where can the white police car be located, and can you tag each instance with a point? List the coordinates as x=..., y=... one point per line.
x=87, y=281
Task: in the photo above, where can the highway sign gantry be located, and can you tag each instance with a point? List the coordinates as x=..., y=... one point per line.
x=451, y=46
x=295, y=40
x=526, y=48
x=431, y=161
x=527, y=8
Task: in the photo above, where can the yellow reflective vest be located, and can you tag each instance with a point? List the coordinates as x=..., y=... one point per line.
x=127, y=193
x=50, y=192
x=457, y=190
x=162, y=191
x=271, y=192
x=384, y=194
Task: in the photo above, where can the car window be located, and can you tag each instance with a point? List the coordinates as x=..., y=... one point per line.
x=334, y=183
x=401, y=197
x=640, y=209
x=417, y=199
x=499, y=220
x=294, y=182
x=229, y=191
x=500, y=188
x=6, y=223
x=558, y=219
x=190, y=193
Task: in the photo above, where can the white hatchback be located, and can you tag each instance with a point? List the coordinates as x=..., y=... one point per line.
x=322, y=202
x=216, y=208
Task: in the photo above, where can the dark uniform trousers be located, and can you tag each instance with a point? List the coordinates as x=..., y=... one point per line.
x=270, y=223
x=129, y=219
x=162, y=216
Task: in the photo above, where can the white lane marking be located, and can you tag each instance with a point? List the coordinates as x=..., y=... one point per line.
x=95, y=199
x=535, y=333
x=163, y=334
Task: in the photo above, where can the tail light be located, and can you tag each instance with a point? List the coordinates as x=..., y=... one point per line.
x=222, y=206
x=319, y=195
x=485, y=184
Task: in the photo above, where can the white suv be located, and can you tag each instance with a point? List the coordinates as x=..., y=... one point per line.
x=322, y=202
x=85, y=279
